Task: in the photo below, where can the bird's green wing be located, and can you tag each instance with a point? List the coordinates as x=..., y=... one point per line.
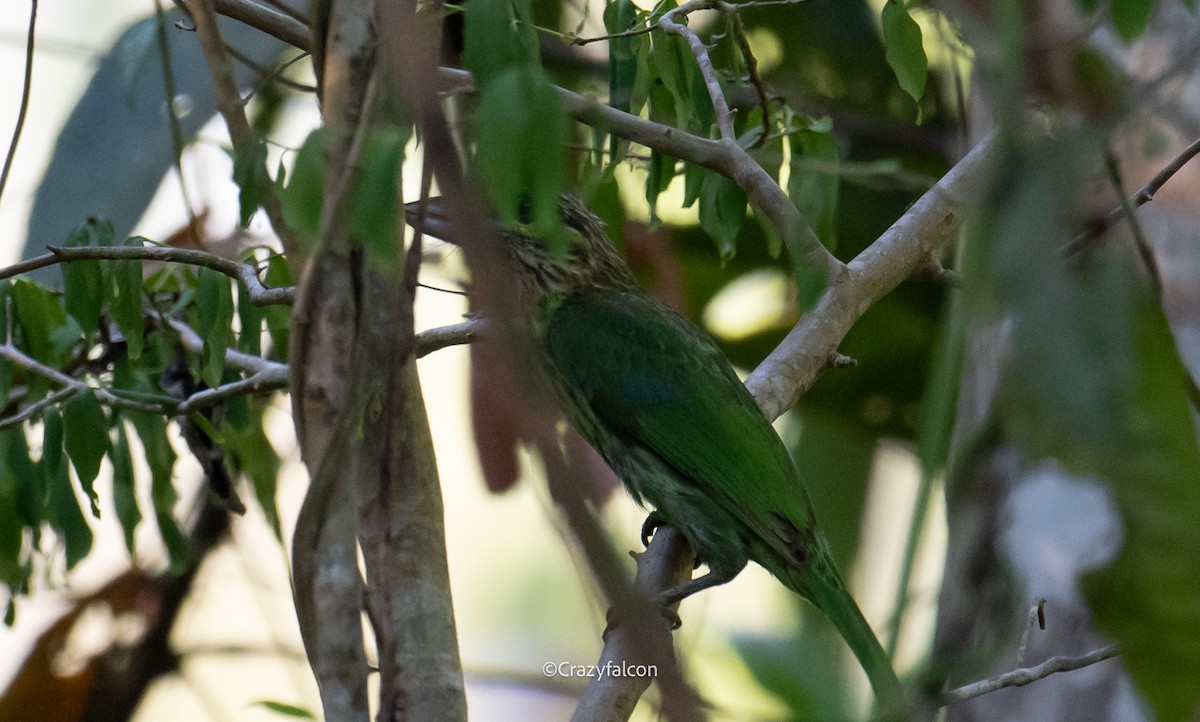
x=649, y=375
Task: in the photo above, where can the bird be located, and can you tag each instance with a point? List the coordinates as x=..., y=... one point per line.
x=656, y=397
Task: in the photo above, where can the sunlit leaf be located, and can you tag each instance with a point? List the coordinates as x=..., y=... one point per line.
x=904, y=49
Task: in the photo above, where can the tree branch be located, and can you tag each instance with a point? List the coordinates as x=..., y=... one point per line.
x=270, y=21
x=790, y=369
x=232, y=109
x=611, y=697
x=244, y=273
x=1028, y=675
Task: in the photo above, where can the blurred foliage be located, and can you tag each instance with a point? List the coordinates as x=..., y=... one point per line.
x=857, y=110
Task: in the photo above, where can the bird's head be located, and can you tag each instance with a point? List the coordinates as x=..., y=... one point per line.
x=588, y=261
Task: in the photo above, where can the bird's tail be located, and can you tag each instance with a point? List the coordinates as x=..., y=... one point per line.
x=831, y=597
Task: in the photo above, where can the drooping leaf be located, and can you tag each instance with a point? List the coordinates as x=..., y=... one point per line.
x=132, y=50
x=904, y=49
x=250, y=175
x=152, y=430
x=492, y=44
x=12, y=567
x=722, y=212
x=259, y=460
x=626, y=90
x=215, y=304
x=373, y=209
x=124, y=488
x=127, y=302
x=521, y=137
x=278, y=317
x=63, y=510
x=250, y=320
x=85, y=439
x=118, y=129
x=39, y=313
x=814, y=189
x=301, y=199
x=83, y=283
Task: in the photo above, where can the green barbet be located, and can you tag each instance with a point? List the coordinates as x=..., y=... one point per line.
x=655, y=396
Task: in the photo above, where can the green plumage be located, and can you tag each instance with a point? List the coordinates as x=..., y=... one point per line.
x=656, y=397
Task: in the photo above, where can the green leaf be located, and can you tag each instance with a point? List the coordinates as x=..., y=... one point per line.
x=1094, y=380
x=39, y=313
x=215, y=303
x=1130, y=17
x=814, y=191
x=278, y=317
x=373, y=210
x=904, y=50
x=12, y=570
x=1148, y=598
x=626, y=90
x=30, y=482
x=288, y=710
x=124, y=488
x=491, y=42
x=250, y=320
x=86, y=440
x=722, y=212
x=64, y=514
x=152, y=430
x=303, y=196
x=127, y=302
x=521, y=137
x=259, y=460
x=250, y=175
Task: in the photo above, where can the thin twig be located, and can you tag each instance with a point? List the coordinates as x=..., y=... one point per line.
x=1142, y=197
x=26, y=89
x=1145, y=253
x=1028, y=675
x=674, y=22
x=232, y=109
x=442, y=337
x=268, y=74
x=244, y=273
x=1037, y=615
x=35, y=408
x=739, y=34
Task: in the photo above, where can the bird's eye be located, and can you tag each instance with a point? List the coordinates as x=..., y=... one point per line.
x=524, y=211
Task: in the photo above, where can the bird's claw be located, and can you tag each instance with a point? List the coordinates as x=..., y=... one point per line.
x=672, y=617
x=653, y=521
